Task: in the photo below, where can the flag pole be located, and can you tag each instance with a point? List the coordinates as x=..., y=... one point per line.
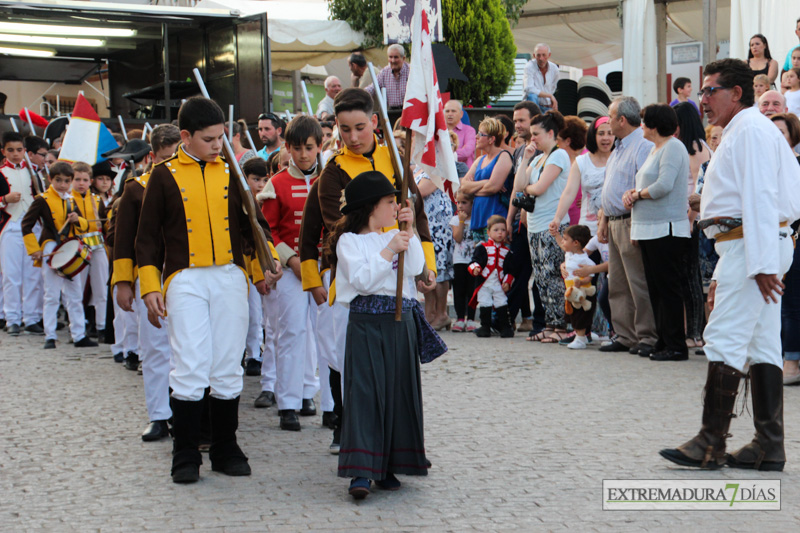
x=401, y=257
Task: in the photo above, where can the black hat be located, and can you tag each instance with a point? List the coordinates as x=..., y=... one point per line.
x=103, y=168
x=364, y=188
x=135, y=149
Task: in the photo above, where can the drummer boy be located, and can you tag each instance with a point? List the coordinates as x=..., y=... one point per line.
x=97, y=274
x=61, y=219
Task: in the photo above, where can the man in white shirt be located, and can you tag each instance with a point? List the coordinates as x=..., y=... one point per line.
x=750, y=197
x=332, y=88
x=541, y=79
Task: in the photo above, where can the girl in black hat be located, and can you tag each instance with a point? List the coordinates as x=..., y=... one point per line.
x=382, y=432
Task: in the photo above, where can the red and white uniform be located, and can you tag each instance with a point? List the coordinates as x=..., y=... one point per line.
x=296, y=357
x=489, y=261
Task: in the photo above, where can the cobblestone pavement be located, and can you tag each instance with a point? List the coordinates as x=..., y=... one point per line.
x=520, y=435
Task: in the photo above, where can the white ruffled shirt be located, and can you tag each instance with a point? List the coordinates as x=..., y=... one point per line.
x=361, y=270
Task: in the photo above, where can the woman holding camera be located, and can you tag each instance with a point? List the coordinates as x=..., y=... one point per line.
x=547, y=178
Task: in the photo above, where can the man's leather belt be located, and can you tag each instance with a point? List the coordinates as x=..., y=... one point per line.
x=737, y=233
x=620, y=217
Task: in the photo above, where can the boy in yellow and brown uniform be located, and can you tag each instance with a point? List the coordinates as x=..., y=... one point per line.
x=361, y=153
x=154, y=347
x=50, y=208
x=190, y=240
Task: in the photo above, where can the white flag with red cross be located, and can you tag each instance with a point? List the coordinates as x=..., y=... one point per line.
x=423, y=110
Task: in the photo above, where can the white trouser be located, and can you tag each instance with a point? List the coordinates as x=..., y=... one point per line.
x=491, y=293
x=293, y=341
x=326, y=346
x=743, y=327
x=310, y=379
x=22, y=282
x=97, y=275
x=155, y=354
x=255, y=331
x=54, y=287
x=208, y=316
x=269, y=374
x=126, y=328
x=2, y=311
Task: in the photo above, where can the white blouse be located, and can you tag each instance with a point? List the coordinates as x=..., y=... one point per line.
x=361, y=270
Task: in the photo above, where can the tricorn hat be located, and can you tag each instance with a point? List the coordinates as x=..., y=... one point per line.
x=135, y=149
x=365, y=188
x=103, y=168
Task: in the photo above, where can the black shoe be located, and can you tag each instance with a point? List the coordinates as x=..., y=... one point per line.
x=253, y=367
x=49, y=344
x=34, y=329
x=309, y=408
x=14, y=330
x=645, y=350
x=225, y=454
x=669, y=355
x=2, y=323
x=91, y=331
x=119, y=357
x=186, y=473
x=101, y=335
x=289, y=420
x=485, y=330
x=156, y=430
x=60, y=326
x=86, y=342
x=265, y=399
x=615, y=346
x=132, y=361
x=699, y=351
x=329, y=419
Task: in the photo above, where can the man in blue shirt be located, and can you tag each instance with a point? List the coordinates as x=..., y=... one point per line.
x=270, y=131
x=788, y=63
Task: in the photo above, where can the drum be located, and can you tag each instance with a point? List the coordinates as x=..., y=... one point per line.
x=69, y=258
x=93, y=240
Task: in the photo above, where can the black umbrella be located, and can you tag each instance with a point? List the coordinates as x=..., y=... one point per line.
x=446, y=66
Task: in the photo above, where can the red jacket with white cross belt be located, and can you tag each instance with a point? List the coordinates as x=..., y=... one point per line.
x=491, y=258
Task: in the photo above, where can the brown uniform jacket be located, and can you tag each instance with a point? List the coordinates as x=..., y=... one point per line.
x=340, y=169
x=191, y=216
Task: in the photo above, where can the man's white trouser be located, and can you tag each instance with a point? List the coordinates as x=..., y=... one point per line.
x=296, y=350
x=97, y=275
x=328, y=352
x=208, y=318
x=743, y=327
x=155, y=354
x=126, y=327
x=269, y=374
x=54, y=287
x=22, y=282
x=255, y=331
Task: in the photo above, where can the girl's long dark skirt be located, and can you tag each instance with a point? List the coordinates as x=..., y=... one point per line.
x=383, y=428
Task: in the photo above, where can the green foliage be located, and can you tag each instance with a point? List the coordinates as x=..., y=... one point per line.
x=478, y=32
x=480, y=36
x=363, y=15
x=514, y=10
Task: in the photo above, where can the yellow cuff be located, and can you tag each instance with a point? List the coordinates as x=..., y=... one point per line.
x=256, y=274
x=149, y=280
x=430, y=256
x=123, y=270
x=272, y=249
x=83, y=224
x=310, y=274
x=332, y=292
x=31, y=243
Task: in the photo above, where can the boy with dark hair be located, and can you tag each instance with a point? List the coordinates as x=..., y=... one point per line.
x=360, y=153
x=285, y=196
x=37, y=152
x=22, y=282
x=683, y=90
x=190, y=245
x=573, y=242
x=55, y=210
x=154, y=345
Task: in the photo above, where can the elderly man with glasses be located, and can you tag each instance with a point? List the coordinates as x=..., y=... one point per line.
x=749, y=198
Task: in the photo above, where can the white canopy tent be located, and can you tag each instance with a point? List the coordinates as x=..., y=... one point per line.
x=300, y=33
x=585, y=33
